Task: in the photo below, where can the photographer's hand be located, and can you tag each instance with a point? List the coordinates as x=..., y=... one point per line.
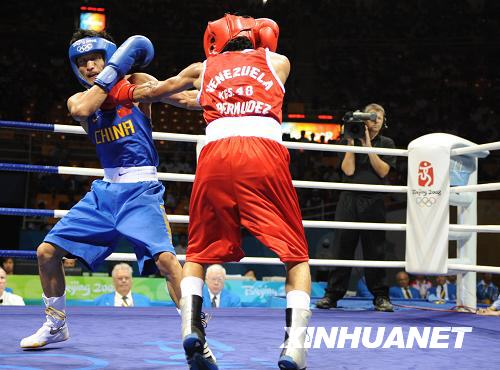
x=366, y=141
x=378, y=165
x=348, y=165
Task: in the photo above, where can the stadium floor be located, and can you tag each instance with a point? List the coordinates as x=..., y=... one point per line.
x=149, y=338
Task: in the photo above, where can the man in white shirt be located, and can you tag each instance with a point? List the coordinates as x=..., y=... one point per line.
x=6, y=298
x=123, y=296
x=214, y=295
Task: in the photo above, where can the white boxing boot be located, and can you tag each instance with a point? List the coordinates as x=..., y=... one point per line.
x=293, y=355
x=198, y=354
x=54, y=329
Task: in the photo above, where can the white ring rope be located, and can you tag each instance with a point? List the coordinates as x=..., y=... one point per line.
x=476, y=148
x=476, y=188
x=130, y=257
x=68, y=129
x=167, y=176
x=345, y=148
x=184, y=219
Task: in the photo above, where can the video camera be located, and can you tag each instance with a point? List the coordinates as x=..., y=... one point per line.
x=354, y=123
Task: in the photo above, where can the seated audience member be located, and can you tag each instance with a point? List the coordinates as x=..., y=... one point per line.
x=69, y=263
x=403, y=288
x=71, y=268
x=362, y=289
x=250, y=275
x=486, y=291
x=493, y=310
x=422, y=284
x=8, y=265
x=7, y=298
x=452, y=279
x=122, y=296
x=214, y=294
x=443, y=290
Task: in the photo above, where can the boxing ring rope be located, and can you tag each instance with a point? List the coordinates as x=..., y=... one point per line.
x=68, y=129
x=165, y=176
x=131, y=257
x=476, y=148
x=460, y=196
x=184, y=219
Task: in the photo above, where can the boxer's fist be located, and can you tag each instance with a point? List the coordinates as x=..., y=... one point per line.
x=135, y=51
x=121, y=94
x=266, y=33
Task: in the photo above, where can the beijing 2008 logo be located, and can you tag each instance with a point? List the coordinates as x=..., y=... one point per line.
x=425, y=174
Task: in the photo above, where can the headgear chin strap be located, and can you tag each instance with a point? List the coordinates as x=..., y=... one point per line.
x=220, y=32
x=85, y=46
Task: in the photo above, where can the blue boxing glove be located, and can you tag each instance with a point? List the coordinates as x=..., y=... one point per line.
x=135, y=51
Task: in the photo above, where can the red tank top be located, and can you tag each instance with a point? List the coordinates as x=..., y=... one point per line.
x=240, y=83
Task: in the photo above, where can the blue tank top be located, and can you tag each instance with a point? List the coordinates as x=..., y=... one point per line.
x=123, y=138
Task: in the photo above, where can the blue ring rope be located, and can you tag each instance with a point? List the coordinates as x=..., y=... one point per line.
x=26, y=212
x=28, y=168
x=28, y=125
x=18, y=254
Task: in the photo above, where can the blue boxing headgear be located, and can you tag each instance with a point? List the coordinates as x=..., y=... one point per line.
x=85, y=46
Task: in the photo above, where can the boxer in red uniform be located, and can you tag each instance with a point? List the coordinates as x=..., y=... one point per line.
x=243, y=177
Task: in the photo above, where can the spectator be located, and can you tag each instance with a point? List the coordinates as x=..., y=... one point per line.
x=362, y=207
x=8, y=265
x=493, y=310
x=214, y=294
x=181, y=245
x=123, y=296
x=486, y=291
x=403, y=289
x=70, y=267
x=69, y=263
x=422, y=284
x=443, y=291
x=250, y=274
x=7, y=298
x=452, y=279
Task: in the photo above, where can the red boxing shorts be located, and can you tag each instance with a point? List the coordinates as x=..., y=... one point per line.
x=244, y=181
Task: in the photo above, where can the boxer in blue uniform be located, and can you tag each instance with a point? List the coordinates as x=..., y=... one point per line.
x=128, y=201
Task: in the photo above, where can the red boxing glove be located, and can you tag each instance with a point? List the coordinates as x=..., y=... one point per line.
x=266, y=33
x=121, y=94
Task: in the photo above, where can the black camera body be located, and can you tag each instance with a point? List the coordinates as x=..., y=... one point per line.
x=354, y=129
x=354, y=124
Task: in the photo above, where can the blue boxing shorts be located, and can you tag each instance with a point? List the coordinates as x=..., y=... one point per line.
x=91, y=229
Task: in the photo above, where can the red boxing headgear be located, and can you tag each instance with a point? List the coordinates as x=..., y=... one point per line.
x=266, y=33
x=225, y=29
x=262, y=32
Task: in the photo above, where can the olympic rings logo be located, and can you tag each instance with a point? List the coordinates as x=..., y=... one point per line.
x=425, y=201
x=83, y=48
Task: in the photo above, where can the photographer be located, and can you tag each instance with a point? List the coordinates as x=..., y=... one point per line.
x=358, y=206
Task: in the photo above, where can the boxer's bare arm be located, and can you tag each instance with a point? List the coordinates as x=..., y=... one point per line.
x=185, y=99
x=139, y=79
x=83, y=104
x=164, y=90
x=281, y=65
